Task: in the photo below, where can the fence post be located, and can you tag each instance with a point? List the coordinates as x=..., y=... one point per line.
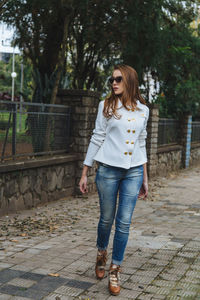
x=84, y=105
x=152, y=138
x=186, y=140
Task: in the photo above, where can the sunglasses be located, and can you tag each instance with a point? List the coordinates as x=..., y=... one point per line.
x=118, y=79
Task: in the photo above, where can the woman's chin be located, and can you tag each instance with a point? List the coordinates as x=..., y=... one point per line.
x=117, y=93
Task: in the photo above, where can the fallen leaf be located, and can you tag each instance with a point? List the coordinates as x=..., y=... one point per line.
x=54, y=274
x=14, y=241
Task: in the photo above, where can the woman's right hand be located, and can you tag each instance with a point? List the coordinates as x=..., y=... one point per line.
x=83, y=184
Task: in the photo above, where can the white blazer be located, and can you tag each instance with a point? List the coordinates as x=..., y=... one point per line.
x=119, y=142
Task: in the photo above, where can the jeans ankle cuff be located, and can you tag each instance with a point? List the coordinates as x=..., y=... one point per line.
x=101, y=248
x=116, y=262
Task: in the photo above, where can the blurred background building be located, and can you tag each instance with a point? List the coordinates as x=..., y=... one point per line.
x=6, y=37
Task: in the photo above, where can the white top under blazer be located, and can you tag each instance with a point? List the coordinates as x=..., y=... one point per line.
x=119, y=142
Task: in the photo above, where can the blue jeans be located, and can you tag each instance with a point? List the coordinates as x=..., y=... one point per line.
x=109, y=181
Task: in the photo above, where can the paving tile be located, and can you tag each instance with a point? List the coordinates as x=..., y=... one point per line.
x=5, y=265
x=49, y=283
x=164, y=283
x=157, y=290
x=5, y=297
x=69, y=291
x=170, y=276
x=188, y=286
x=129, y=294
x=32, y=276
x=96, y=295
x=11, y=289
x=22, y=268
x=32, y=293
x=184, y=294
x=141, y=279
x=144, y=296
x=119, y=297
x=151, y=274
x=21, y=282
x=134, y=286
x=84, y=285
x=173, y=298
x=59, y=296
x=20, y=298
x=8, y=274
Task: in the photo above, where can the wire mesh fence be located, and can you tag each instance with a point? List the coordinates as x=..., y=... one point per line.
x=195, y=131
x=168, y=131
x=30, y=129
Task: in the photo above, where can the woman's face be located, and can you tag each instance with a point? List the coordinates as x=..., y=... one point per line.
x=117, y=85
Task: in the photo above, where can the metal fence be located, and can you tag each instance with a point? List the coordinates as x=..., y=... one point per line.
x=195, y=131
x=30, y=129
x=168, y=131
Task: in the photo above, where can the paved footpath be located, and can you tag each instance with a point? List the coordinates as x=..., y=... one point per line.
x=49, y=252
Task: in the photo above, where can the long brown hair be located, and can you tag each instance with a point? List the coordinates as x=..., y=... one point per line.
x=130, y=94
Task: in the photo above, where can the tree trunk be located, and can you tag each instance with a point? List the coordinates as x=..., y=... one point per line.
x=56, y=84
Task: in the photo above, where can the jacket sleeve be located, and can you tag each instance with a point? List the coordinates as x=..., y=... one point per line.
x=98, y=136
x=143, y=135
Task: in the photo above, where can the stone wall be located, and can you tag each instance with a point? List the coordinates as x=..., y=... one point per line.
x=168, y=159
x=26, y=184
x=195, y=153
x=162, y=160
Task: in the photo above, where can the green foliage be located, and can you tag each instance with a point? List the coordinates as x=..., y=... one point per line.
x=155, y=37
x=93, y=42
x=178, y=68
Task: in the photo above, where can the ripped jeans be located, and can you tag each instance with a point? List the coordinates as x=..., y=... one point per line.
x=109, y=181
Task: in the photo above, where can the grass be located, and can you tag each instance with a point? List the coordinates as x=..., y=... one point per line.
x=21, y=135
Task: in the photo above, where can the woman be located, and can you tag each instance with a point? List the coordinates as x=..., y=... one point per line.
x=118, y=144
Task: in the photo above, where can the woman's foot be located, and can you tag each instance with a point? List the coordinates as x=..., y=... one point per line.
x=114, y=279
x=100, y=264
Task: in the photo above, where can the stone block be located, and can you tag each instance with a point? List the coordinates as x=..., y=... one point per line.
x=84, y=132
x=19, y=202
x=24, y=184
x=82, y=141
x=60, y=178
x=28, y=200
x=82, y=110
x=84, y=125
x=88, y=101
x=11, y=188
x=12, y=203
x=38, y=186
x=82, y=148
x=44, y=197
x=52, y=181
x=68, y=182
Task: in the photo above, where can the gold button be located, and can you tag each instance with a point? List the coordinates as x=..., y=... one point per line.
x=130, y=153
x=132, y=142
x=133, y=109
x=133, y=131
x=128, y=109
x=127, y=142
x=125, y=153
x=129, y=119
x=128, y=130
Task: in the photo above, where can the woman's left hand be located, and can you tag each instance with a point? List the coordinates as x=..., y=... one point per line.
x=143, y=190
